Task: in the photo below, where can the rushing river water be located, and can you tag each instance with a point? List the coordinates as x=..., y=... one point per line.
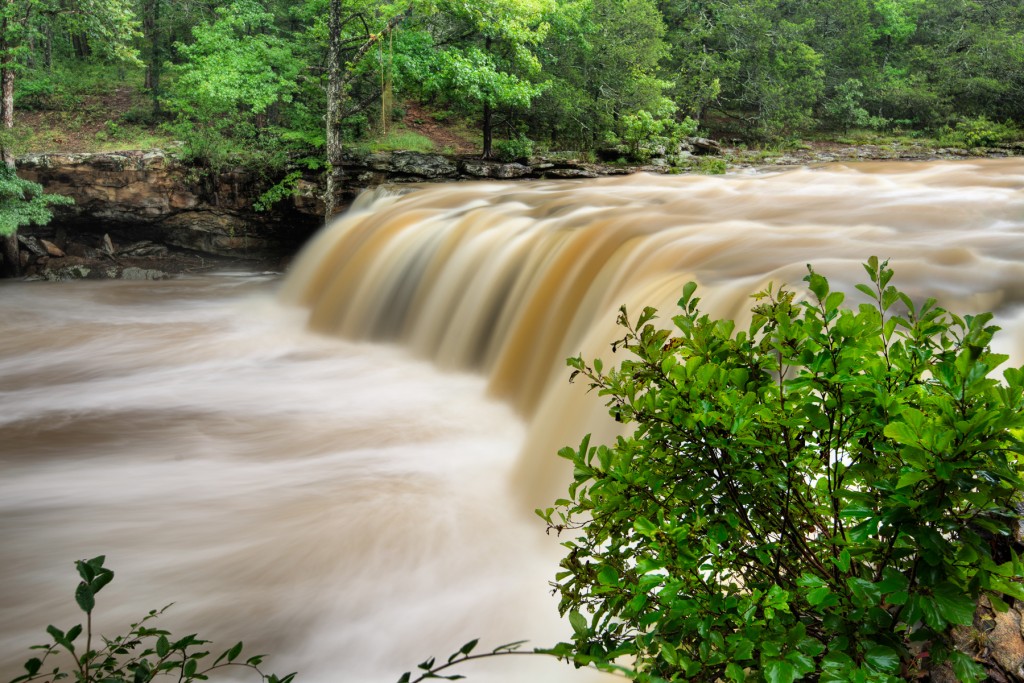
x=339, y=469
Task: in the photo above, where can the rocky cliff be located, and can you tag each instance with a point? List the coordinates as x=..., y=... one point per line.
x=146, y=195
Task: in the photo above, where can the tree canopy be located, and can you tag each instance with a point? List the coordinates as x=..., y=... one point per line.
x=257, y=75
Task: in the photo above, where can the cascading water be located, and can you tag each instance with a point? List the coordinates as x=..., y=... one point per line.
x=352, y=506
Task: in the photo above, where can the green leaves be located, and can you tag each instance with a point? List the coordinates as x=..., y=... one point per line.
x=23, y=202
x=140, y=655
x=94, y=577
x=828, y=475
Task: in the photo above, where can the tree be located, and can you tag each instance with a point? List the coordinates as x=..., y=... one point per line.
x=109, y=25
x=603, y=62
x=482, y=56
x=824, y=494
x=236, y=68
x=340, y=75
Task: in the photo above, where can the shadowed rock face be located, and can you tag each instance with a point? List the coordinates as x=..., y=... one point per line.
x=147, y=195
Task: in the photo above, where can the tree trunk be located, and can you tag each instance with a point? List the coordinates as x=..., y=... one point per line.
x=488, y=116
x=337, y=80
x=10, y=259
x=335, y=93
x=81, y=43
x=488, y=132
x=6, y=87
x=151, y=27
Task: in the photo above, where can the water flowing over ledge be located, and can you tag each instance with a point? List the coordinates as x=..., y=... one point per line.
x=510, y=279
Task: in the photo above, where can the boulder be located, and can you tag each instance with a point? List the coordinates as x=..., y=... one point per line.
x=52, y=249
x=32, y=245
x=423, y=165
x=480, y=168
x=569, y=173
x=705, y=146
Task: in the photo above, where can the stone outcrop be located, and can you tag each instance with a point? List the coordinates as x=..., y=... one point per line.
x=148, y=195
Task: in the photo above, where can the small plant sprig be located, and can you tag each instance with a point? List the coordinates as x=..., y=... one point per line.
x=138, y=656
x=432, y=669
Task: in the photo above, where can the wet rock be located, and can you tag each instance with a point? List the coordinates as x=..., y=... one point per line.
x=480, y=168
x=569, y=173
x=32, y=245
x=1006, y=643
x=144, y=248
x=413, y=164
x=70, y=273
x=52, y=249
x=143, y=274
x=705, y=146
x=139, y=195
x=78, y=250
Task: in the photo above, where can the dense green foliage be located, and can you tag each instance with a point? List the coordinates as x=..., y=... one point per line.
x=141, y=655
x=23, y=202
x=821, y=496
x=233, y=77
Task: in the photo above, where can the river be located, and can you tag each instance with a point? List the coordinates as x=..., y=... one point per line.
x=338, y=466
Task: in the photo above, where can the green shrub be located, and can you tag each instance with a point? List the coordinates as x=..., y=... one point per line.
x=844, y=109
x=646, y=135
x=140, y=655
x=514, y=149
x=823, y=495
x=206, y=146
x=23, y=202
x=978, y=132
x=41, y=93
x=707, y=165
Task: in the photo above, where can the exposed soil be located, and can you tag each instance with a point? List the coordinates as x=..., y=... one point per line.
x=421, y=120
x=93, y=122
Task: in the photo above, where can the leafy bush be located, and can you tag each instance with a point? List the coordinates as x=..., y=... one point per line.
x=140, y=655
x=207, y=146
x=979, y=132
x=823, y=495
x=646, y=135
x=706, y=165
x=845, y=111
x=514, y=149
x=41, y=93
x=23, y=202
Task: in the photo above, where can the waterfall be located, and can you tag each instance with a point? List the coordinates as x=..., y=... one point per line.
x=509, y=279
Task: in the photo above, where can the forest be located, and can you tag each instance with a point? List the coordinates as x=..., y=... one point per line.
x=258, y=79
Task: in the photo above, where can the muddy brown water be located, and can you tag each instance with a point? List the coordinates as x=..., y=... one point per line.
x=338, y=467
